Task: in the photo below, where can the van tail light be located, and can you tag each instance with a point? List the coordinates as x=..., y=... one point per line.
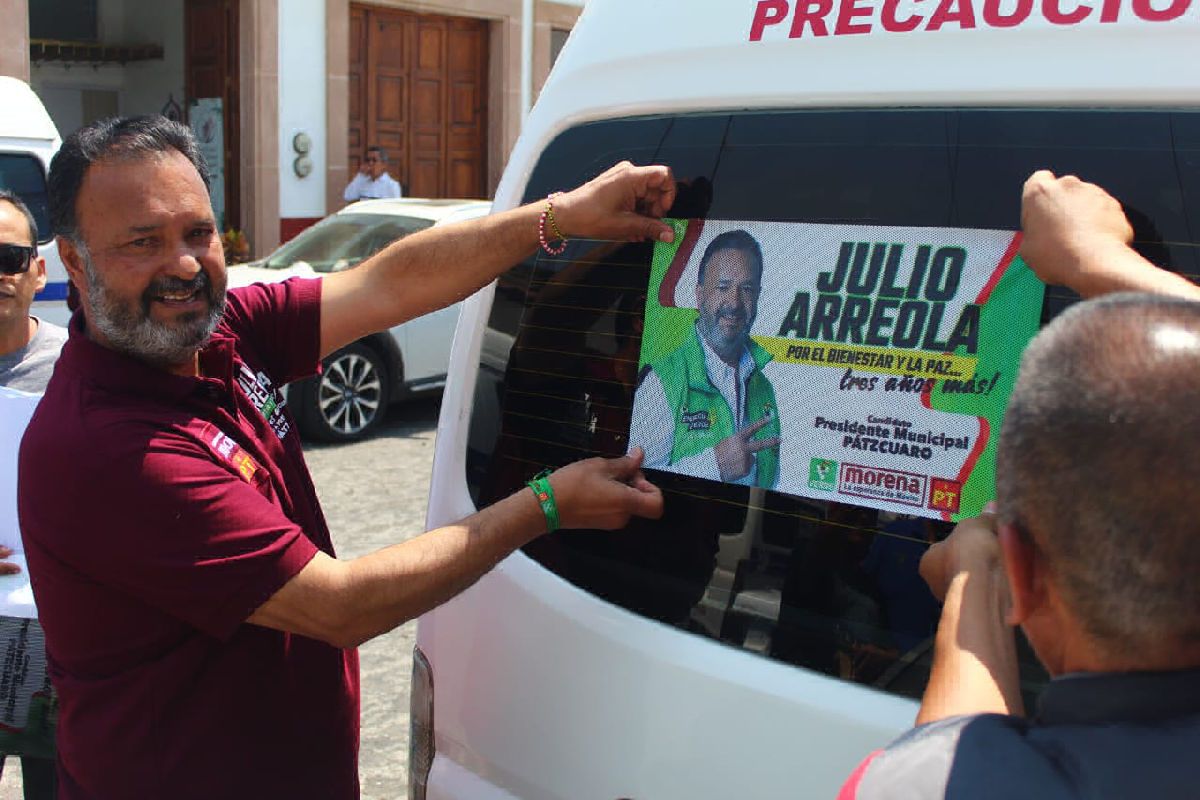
x=420, y=731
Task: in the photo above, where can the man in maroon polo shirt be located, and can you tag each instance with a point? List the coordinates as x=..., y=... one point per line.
x=200, y=630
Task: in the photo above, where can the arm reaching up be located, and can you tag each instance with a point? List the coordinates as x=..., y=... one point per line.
x=1076, y=235
x=440, y=266
x=975, y=658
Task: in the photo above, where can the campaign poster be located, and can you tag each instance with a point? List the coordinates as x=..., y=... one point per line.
x=866, y=365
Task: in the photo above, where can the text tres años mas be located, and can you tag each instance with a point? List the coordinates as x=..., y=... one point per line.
x=875, y=297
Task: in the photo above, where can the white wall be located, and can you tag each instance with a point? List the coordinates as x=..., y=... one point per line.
x=65, y=106
x=111, y=16
x=302, y=105
x=142, y=87
x=148, y=84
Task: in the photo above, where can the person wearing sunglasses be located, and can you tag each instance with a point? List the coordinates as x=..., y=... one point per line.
x=373, y=181
x=28, y=346
x=28, y=349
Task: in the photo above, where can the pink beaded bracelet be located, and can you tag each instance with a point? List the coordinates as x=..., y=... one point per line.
x=547, y=215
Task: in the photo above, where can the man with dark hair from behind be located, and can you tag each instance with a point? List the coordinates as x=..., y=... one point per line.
x=28, y=349
x=707, y=409
x=200, y=629
x=1093, y=551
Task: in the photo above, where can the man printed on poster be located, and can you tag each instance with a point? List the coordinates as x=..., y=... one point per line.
x=707, y=409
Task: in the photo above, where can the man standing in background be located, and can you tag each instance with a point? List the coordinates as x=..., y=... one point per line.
x=373, y=181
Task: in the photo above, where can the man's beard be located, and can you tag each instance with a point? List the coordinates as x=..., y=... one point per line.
x=129, y=329
x=717, y=339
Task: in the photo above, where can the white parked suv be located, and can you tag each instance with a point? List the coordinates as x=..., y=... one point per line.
x=358, y=382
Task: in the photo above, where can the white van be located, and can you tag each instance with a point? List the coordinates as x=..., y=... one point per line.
x=750, y=644
x=28, y=140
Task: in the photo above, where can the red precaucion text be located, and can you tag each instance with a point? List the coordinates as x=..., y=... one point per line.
x=847, y=17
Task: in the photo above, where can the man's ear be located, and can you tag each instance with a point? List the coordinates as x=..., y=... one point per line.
x=1025, y=571
x=39, y=264
x=72, y=260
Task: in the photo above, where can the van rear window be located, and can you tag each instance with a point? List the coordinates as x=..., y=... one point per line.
x=827, y=586
x=23, y=175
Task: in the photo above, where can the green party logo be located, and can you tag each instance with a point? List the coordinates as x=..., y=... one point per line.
x=822, y=474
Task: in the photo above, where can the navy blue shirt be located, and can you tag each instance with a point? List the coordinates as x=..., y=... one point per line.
x=1096, y=736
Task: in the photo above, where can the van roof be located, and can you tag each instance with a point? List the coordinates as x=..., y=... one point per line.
x=24, y=115
x=878, y=52
x=629, y=58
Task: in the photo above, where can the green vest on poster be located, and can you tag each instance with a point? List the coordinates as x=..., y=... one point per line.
x=703, y=418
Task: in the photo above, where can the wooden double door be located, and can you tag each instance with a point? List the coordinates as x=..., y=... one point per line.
x=418, y=88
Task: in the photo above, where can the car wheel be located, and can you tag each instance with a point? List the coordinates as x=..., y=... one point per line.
x=348, y=399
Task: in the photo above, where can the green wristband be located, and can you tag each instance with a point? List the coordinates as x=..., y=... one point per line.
x=545, y=497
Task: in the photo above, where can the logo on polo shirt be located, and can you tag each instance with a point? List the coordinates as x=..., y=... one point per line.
x=233, y=453
x=265, y=397
x=696, y=420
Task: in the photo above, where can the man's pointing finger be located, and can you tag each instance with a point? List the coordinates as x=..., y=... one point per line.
x=750, y=430
x=762, y=444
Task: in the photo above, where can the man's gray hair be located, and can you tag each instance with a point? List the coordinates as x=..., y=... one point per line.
x=1097, y=465
x=7, y=196
x=737, y=240
x=119, y=137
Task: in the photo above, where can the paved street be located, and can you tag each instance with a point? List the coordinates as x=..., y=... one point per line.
x=374, y=494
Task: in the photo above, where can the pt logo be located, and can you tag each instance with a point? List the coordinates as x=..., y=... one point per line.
x=944, y=495
x=822, y=474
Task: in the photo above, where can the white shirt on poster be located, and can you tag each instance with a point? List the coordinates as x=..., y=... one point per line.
x=653, y=420
x=364, y=187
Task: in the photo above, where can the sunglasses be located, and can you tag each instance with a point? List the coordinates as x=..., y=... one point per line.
x=15, y=258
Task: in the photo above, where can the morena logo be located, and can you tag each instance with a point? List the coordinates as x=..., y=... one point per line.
x=882, y=484
x=867, y=476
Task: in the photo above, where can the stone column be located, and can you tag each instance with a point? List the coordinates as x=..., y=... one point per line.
x=14, y=39
x=550, y=16
x=337, y=102
x=504, y=92
x=258, y=60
